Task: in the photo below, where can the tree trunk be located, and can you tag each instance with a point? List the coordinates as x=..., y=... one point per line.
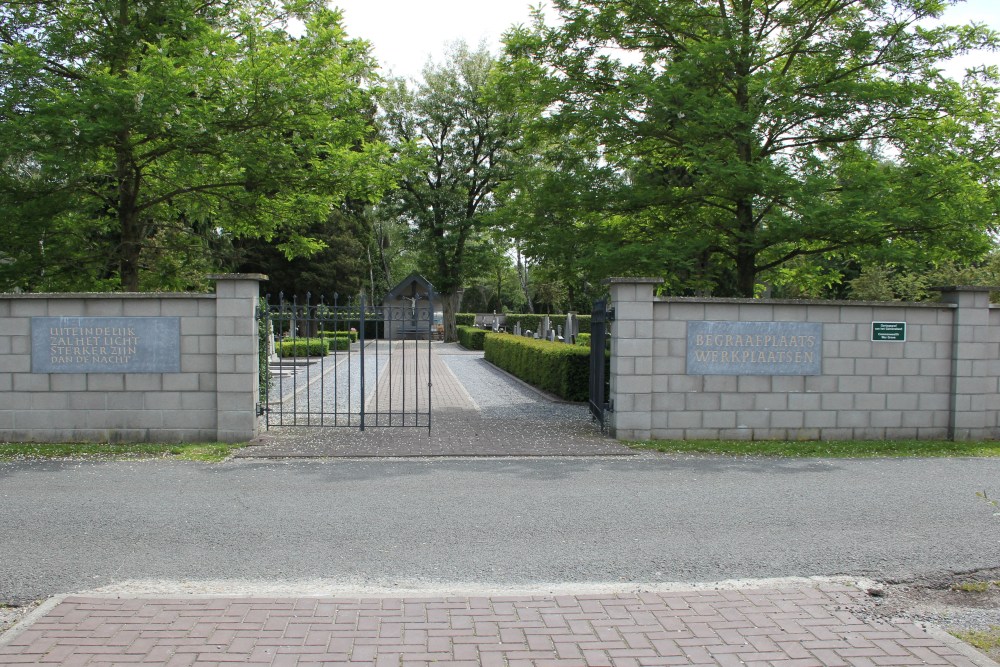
x=128, y=213
x=746, y=254
x=522, y=275
x=130, y=251
x=499, y=288
x=450, y=304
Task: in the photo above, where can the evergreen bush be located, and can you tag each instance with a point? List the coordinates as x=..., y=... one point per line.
x=471, y=338
x=351, y=335
x=561, y=369
x=306, y=347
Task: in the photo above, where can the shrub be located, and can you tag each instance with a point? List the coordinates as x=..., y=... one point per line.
x=471, y=338
x=350, y=335
x=561, y=369
x=465, y=319
x=583, y=340
x=304, y=347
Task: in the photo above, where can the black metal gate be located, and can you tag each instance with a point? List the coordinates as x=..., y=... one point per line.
x=599, y=406
x=346, y=364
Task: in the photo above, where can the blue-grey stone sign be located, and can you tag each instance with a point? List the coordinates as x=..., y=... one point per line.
x=754, y=348
x=105, y=345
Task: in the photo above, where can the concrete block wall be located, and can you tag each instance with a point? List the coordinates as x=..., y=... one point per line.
x=212, y=397
x=942, y=382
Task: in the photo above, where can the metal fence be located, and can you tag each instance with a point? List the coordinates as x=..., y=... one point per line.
x=598, y=359
x=347, y=364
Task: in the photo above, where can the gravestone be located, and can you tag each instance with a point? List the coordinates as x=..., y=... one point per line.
x=546, y=327
x=572, y=330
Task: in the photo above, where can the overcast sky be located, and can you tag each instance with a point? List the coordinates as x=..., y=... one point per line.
x=405, y=33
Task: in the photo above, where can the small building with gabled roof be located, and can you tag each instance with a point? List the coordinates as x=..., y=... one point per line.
x=411, y=309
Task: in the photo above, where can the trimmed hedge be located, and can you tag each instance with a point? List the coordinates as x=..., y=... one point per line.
x=353, y=335
x=583, y=340
x=303, y=347
x=561, y=369
x=471, y=338
x=528, y=321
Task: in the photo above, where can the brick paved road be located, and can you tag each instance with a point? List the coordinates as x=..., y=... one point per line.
x=818, y=625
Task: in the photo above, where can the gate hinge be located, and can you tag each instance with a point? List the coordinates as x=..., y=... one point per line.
x=611, y=314
x=261, y=410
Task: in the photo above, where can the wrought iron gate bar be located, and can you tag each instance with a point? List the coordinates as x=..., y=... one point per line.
x=598, y=342
x=366, y=383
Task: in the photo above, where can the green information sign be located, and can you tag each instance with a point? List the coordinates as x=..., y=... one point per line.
x=889, y=331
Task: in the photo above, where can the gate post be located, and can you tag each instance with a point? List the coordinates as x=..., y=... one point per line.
x=236, y=355
x=361, y=337
x=632, y=357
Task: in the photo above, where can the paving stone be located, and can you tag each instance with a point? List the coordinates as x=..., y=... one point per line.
x=585, y=630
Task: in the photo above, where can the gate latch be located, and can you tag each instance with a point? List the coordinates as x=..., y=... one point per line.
x=611, y=314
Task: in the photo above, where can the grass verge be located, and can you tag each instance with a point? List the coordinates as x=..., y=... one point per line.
x=823, y=448
x=987, y=641
x=206, y=452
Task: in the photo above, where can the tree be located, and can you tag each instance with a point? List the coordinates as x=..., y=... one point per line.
x=460, y=140
x=342, y=266
x=128, y=127
x=747, y=134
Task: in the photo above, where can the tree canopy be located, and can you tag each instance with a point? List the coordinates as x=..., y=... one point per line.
x=135, y=133
x=729, y=141
x=458, y=138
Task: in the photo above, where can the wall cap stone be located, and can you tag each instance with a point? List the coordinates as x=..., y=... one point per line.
x=964, y=288
x=237, y=276
x=107, y=295
x=802, y=302
x=632, y=281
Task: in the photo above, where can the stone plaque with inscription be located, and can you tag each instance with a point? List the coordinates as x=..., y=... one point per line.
x=105, y=345
x=754, y=348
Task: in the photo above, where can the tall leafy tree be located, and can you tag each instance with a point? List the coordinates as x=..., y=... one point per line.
x=460, y=138
x=748, y=134
x=132, y=128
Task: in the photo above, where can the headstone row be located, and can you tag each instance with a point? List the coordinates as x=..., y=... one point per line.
x=559, y=334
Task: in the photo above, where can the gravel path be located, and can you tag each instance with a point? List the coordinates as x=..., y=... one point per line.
x=327, y=391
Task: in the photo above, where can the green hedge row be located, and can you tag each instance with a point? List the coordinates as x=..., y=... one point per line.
x=311, y=347
x=530, y=321
x=561, y=369
x=471, y=338
x=353, y=335
x=303, y=347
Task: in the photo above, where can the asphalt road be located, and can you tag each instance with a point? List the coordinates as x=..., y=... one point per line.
x=72, y=526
